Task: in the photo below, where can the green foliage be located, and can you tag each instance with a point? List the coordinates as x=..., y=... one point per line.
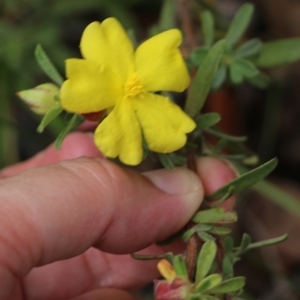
x=205, y=260
x=277, y=53
x=239, y=24
x=207, y=28
x=49, y=117
x=244, y=181
x=203, y=79
x=71, y=124
x=47, y=66
x=207, y=120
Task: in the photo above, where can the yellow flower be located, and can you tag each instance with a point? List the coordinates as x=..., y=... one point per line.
x=116, y=77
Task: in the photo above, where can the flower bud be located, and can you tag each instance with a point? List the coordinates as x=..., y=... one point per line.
x=42, y=98
x=177, y=289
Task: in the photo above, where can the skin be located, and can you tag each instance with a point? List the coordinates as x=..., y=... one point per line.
x=70, y=218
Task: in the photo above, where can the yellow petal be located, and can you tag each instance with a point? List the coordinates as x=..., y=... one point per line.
x=119, y=134
x=160, y=65
x=164, y=124
x=90, y=88
x=108, y=44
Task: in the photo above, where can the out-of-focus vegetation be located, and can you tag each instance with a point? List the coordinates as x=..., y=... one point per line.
x=57, y=25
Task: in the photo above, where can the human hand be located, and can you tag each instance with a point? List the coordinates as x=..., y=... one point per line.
x=66, y=229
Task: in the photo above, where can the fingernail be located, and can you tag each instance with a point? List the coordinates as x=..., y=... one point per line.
x=177, y=181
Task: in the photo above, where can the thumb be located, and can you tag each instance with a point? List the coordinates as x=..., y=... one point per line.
x=59, y=211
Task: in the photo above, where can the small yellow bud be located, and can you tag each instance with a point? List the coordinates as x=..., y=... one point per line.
x=166, y=270
x=41, y=98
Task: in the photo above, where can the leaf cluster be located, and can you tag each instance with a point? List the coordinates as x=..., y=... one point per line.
x=242, y=60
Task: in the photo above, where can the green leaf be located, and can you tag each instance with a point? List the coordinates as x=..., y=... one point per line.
x=217, y=133
x=198, y=55
x=167, y=15
x=214, y=215
x=216, y=230
x=236, y=76
x=187, y=234
x=227, y=266
x=239, y=24
x=244, y=181
x=205, y=260
x=205, y=236
x=229, y=286
x=166, y=161
x=203, y=79
x=220, y=78
x=208, y=28
x=229, y=243
x=177, y=159
x=261, y=80
x=73, y=123
x=180, y=266
x=49, y=116
x=209, y=282
x=47, y=66
x=269, y=242
x=207, y=120
x=247, y=68
x=246, y=241
x=250, y=48
x=278, y=53
x=282, y=198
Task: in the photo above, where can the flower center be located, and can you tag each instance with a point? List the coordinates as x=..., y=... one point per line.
x=134, y=87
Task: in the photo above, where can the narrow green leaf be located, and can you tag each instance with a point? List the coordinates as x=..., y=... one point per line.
x=250, y=48
x=207, y=120
x=214, y=215
x=227, y=266
x=209, y=282
x=246, y=241
x=198, y=55
x=208, y=28
x=269, y=242
x=247, y=68
x=239, y=24
x=220, y=78
x=203, y=79
x=177, y=159
x=261, y=80
x=73, y=123
x=278, y=53
x=167, y=15
x=220, y=230
x=236, y=76
x=227, y=137
x=146, y=256
x=49, y=116
x=205, y=236
x=205, y=260
x=166, y=161
x=244, y=181
x=220, y=145
x=187, y=234
x=47, y=66
x=229, y=286
x=180, y=266
x=282, y=198
x=229, y=243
